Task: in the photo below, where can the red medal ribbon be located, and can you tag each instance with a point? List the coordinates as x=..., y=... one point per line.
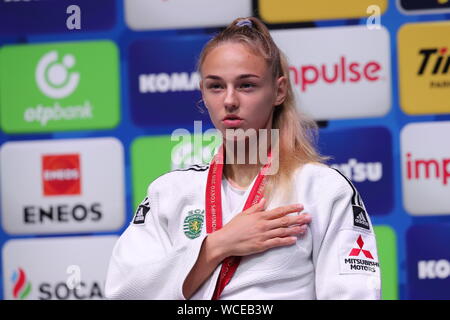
x=214, y=212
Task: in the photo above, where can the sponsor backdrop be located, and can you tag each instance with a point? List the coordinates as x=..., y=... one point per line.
x=98, y=98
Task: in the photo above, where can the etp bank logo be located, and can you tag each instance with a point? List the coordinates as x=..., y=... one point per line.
x=428, y=257
x=364, y=156
x=164, y=84
x=69, y=86
x=50, y=16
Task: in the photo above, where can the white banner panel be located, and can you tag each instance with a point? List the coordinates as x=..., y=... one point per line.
x=148, y=15
x=425, y=149
x=62, y=186
x=60, y=268
x=339, y=72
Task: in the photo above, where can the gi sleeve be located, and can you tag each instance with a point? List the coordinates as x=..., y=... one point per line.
x=145, y=264
x=346, y=261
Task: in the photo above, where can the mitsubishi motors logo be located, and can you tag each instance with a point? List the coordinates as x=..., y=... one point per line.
x=355, y=251
x=353, y=257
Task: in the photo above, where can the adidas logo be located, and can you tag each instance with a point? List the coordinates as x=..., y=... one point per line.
x=362, y=219
x=139, y=216
x=142, y=211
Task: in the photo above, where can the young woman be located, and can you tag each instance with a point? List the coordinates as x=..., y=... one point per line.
x=230, y=230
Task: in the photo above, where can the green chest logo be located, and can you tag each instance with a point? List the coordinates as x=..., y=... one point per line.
x=193, y=223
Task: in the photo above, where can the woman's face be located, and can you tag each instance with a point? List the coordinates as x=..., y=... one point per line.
x=238, y=89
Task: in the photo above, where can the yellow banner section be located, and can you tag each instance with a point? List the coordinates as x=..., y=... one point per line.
x=424, y=68
x=282, y=11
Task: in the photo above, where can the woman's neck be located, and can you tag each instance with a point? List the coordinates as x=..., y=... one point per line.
x=240, y=174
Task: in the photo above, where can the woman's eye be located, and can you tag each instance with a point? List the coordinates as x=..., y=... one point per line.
x=247, y=85
x=214, y=86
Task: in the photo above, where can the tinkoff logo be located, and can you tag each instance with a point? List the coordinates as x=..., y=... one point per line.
x=424, y=67
x=21, y=287
x=435, y=61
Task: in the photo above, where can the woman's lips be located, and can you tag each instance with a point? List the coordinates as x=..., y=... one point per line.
x=232, y=123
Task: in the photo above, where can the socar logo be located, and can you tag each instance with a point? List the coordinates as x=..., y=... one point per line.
x=21, y=287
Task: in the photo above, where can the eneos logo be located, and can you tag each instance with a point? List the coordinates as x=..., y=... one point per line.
x=61, y=174
x=69, y=86
x=338, y=72
x=53, y=78
x=70, y=185
x=21, y=285
x=426, y=167
x=424, y=68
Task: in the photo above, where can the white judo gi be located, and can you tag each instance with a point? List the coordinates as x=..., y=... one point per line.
x=335, y=259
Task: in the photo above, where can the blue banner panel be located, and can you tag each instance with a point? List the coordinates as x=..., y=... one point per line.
x=364, y=155
x=56, y=16
x=164, y=84
x=428, y=258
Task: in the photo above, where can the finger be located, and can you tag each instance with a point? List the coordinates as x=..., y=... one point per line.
x=285, y=232
x=288, y=221
x=282, y=211
x=279, y=242
x=256, y=207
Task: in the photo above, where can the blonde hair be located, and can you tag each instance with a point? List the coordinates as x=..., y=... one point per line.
x=297, y=132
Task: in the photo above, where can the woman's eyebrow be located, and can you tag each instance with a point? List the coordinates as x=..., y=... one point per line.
x=242, y=76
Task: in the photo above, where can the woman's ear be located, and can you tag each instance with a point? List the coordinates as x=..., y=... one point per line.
x=281, y=92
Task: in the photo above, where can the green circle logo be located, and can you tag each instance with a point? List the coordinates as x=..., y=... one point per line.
x=193, y=223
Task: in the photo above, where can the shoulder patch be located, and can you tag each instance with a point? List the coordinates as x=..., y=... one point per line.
x=195, y=167
x=359, y=214
x=141, y=212
x=360, y=218
x=358, y=253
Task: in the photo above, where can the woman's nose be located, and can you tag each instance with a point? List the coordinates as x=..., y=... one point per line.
x=231, y=99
